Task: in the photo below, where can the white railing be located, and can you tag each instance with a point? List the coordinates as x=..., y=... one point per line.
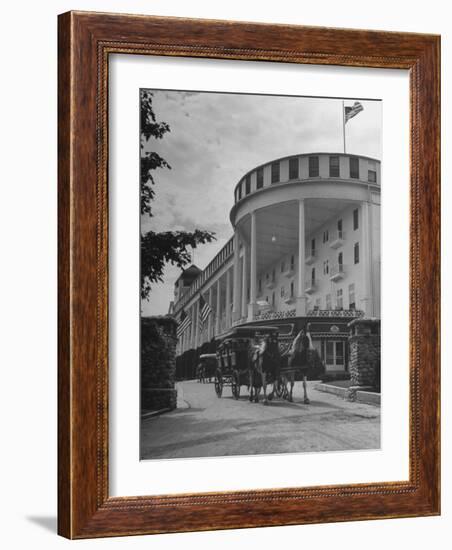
x=345, y=313
x=269, y=315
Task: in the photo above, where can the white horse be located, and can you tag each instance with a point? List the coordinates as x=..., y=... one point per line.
x=264, y=361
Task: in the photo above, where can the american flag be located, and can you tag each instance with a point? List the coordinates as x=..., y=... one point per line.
x=350, y=112
x=204, y=311
x=184, y=323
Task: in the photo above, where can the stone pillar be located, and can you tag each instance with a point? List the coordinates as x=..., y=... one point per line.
x=252, y=306
x=218, y=308
x=364, y=355
x=228, y=298
x=209, y=319
x=366, y=291
x=236, y=280
x=158, y=363
x=301, y=283
x=244, y=311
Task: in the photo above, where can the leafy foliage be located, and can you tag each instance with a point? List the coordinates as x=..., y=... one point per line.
x=158, y=249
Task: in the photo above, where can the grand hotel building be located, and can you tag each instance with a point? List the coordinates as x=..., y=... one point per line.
x=305, y=250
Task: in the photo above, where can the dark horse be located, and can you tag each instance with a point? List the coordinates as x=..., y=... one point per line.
x=265, y=363
x=297, y=361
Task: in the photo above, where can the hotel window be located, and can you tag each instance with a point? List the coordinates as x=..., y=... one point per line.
x=273, y=299
x=260, y=285
x=273, y=276
x=356, y=253
x=293, y=168
x=239, y=191
x=313, y=275
x=292, y=262
x=248, y=184
x=313, y=167
x=354, y=168
x=275, y=172
x=326, y=236
x=351, y=297
x=339, y=300
x=334, y=167
x=282, y=292
x=325, y=267
x=317, y=304
x=260, y=178
x=340, y=258
x=313, y=247
x=328, y=301
x=291, y=289
x=355, y=219
x=372, y=171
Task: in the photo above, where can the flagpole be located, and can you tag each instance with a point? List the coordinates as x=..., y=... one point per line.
x=343, y=123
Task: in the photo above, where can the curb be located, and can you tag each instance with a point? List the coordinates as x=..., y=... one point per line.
x=150, y=414
x=365, y=397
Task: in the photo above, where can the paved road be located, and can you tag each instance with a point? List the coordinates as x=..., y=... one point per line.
x=208, y=426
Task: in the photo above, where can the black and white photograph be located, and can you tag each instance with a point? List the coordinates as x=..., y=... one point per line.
x=260, y=274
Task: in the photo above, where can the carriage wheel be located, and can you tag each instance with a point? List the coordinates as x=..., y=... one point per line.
x=218, y=386
x=235, y=386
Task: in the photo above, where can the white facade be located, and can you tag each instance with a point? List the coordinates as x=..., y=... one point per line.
x=306, y=240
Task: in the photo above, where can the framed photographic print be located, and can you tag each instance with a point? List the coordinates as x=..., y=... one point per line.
x=248, y=275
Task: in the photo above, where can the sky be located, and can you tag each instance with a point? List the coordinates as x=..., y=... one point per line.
x=216, y=138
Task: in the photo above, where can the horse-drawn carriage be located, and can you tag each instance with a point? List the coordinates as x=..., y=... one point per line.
x=233, y=360
x=206, y=367
x=239, y=364
x=251, y=356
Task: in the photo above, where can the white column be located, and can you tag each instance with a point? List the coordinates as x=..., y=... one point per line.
x=209, y=320
x=245, y=281
x=193, y=326
x=228, y=298
x=192, y=329
x=196, y=310
x=253, y=269
x=236, y=280
x=365, y=260
x=218, y=308
x=301, y=295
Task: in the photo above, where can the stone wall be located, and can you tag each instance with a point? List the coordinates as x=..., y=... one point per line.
x=364, y=355
x=158, y=363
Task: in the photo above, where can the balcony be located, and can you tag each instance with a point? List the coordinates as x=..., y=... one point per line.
x=289, y=271
x=337, y=272
x=311, y=286
x=337, y=239
x=270, y=284
x=289, y=299
x=309, y=260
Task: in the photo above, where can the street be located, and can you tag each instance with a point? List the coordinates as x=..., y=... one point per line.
x=204, y=425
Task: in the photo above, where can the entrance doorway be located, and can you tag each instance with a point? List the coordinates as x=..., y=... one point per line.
x=333, y=355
